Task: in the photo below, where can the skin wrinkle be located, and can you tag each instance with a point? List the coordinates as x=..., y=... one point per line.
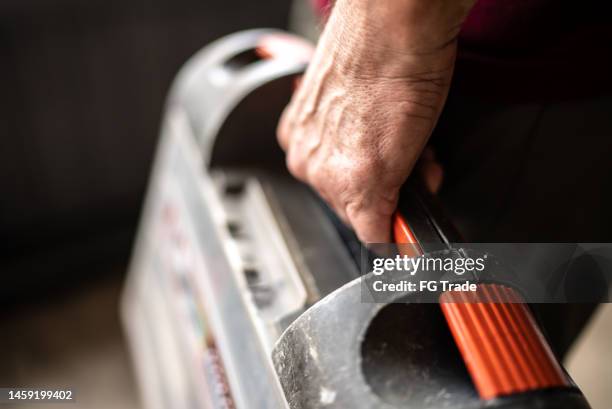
x=368, y=103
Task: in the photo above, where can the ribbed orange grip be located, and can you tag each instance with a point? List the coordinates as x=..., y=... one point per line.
x=501, y=345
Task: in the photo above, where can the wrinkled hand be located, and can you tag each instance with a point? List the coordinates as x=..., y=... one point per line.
x=366, y=107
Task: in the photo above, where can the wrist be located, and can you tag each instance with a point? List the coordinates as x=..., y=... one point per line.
x=398, y=33
x=416, y=25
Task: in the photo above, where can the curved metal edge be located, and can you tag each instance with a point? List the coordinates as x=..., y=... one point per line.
x=312, y=345
x=208, y=90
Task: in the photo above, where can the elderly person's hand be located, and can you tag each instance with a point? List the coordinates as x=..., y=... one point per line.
x=368, y=103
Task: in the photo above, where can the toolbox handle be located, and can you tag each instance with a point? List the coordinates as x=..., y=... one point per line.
x=499, y=340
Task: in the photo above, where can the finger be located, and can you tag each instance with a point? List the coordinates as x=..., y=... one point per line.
x=324, y=187
x=296, y=162
x=431, y=170
x=433, y=175
x=339, y=211
x=371, y=226
x=283, y=130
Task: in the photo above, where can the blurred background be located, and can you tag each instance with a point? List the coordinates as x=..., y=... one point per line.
x=83, y=88
x=81, y=98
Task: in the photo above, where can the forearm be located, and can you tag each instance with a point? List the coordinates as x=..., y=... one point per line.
x=420, y=24
x=405, y=33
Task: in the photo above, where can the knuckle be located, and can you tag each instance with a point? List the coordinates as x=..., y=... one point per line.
x=283, y=131
x=282, y=135
x=316, y=175
x=295, y=164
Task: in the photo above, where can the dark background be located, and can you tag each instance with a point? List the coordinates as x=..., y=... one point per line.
x=81, y=97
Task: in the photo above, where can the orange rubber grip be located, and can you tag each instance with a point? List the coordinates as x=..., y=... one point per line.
x=500, y=342
x=403, y=236
x=498, y=338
